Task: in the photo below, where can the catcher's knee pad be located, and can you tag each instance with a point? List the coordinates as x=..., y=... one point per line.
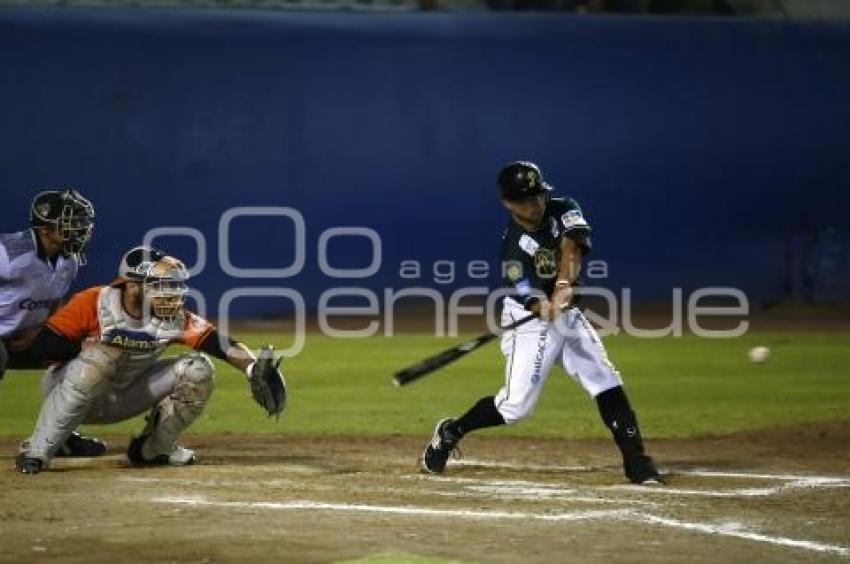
x=194, y=374
x=195, y=379
x=102, y=358
x=85, y=377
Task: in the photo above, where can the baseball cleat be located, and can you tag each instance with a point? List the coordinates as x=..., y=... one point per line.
x=26, y=465
x=641, y=470
x=178, y=456
x=439, y=449
x=78, y=445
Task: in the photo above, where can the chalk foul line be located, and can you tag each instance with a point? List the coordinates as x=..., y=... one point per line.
x=622, y=514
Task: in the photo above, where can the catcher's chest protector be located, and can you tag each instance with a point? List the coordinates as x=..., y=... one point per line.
x=141, y=343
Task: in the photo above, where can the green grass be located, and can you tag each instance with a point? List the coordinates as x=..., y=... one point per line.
x=680, y=387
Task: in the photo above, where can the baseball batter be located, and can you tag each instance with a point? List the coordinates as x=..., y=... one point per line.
x=542, y=250
x=124, y=328
x=37, y=267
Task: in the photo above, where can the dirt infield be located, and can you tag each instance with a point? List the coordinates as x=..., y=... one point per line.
x=769, y=497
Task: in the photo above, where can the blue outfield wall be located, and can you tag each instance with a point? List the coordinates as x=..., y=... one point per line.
x=698, y=148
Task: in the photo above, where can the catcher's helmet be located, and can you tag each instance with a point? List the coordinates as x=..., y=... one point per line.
x=520, y=180
x=137, y=262
x=163, y=279
x=68, y=213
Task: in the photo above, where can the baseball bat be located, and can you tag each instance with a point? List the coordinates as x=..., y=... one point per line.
x=432, y=363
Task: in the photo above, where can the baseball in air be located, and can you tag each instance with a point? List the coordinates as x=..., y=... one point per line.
x=758, y=354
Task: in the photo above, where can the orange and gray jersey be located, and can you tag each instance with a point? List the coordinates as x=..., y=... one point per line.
x=97, y=315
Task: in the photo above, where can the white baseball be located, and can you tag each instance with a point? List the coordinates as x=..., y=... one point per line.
x=758, y=354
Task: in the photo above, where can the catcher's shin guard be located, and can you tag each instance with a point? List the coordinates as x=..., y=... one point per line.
x=170, y=417
x=67, y=403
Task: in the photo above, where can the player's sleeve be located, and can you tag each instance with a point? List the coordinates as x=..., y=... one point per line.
x=49, y=346
x=516, y=270
x=5, y=269
x=77, y=319
x=575, y=225
x=217, y=344
x=196, y=331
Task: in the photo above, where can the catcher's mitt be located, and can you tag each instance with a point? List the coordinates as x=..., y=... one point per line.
x=267, y=384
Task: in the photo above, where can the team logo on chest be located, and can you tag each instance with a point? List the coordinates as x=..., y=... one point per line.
x=544, y=263
x=132, y=340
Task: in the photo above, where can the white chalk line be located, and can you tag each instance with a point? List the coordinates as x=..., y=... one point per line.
x=735, y=531
x=509, y=486
x=740, y=492
x=793, y=481
x=277, y=482
x=500, y=489
x=526, y=489
x=500, y=493
x=392, y=509
x=706, y=472
x=819, y=481
x=529, y=467
x=743, y=534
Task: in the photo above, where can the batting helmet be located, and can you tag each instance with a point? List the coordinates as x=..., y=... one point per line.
x=520, y=180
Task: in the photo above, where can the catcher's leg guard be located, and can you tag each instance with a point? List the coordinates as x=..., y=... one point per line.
x=75, y=387
x=193, y=387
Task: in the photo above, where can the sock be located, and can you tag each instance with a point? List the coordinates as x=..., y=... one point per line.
x=618, y=416
x=482, y=414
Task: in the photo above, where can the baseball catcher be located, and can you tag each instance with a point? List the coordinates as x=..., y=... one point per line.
x=542, y=249
x=123, y=329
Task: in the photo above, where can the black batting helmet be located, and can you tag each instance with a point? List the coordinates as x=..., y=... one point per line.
x=520, y=180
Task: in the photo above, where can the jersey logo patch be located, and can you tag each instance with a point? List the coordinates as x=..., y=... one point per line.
x=528, y=244
x=31, y=304
x=135, y=340
x=573, y=219
x=545, y=264
x=514, y=272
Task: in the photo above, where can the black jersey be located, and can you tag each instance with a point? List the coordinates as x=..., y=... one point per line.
x=530, y=258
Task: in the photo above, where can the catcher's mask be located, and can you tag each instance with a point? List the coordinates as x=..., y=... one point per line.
x=69, y=214
x=163, y=279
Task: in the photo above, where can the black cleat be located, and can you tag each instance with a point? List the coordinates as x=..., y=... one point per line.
x=439, y=449
x=179, y=456
x=78, y=445
x=641, y=470
x=26, y=465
